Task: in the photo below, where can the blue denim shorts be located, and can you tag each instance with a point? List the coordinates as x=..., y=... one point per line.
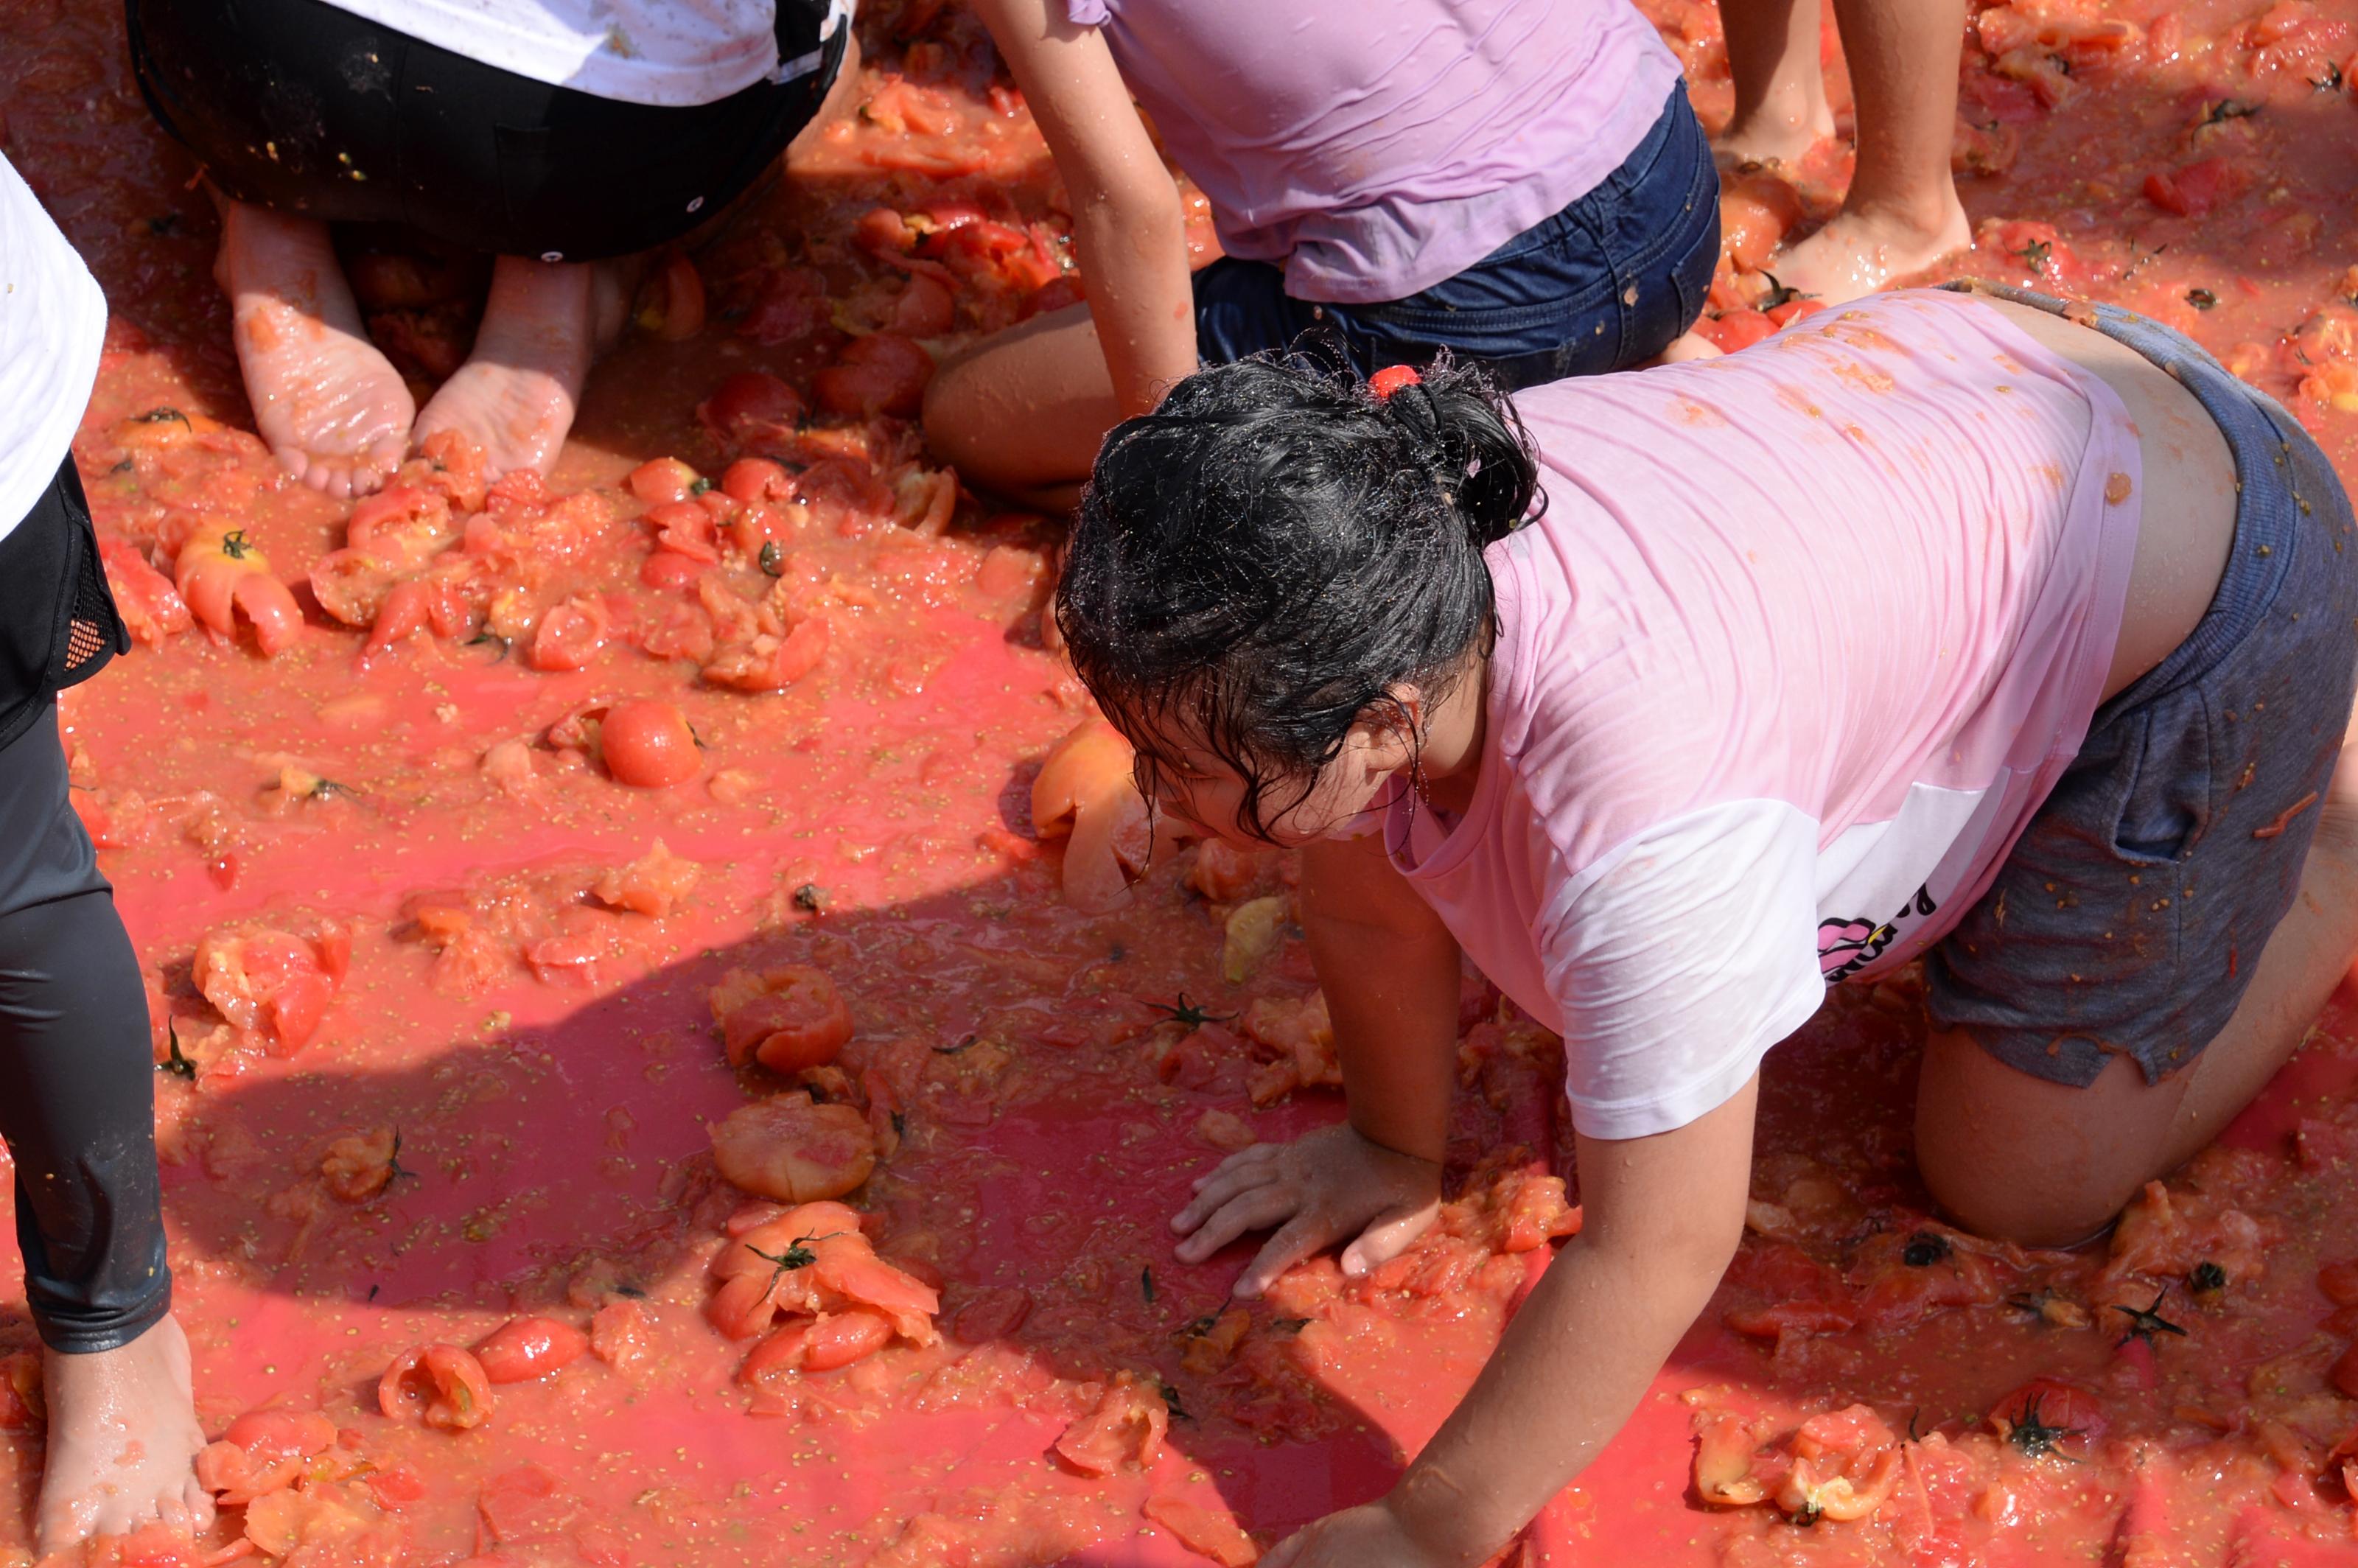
x=2131, y=913
x=1604, y=285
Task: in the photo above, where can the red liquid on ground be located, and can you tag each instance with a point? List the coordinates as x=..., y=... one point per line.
x=548, y=1059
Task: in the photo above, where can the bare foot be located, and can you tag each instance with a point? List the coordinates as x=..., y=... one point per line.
x=1859, y=251
x=1782, y=131
x=332, y=407
x=123, y=1442
x=515, y=395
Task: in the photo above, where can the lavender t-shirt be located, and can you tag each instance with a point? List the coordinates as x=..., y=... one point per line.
x=1375, y=148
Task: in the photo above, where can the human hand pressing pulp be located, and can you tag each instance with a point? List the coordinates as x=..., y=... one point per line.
x=1369, y=1535
x=1325, y=1186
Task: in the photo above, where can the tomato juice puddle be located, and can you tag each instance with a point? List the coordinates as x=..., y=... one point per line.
x=437, y=1048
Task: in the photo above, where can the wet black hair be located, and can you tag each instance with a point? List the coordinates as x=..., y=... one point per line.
x=1266, y=556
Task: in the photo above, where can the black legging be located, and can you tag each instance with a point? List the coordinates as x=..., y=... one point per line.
x=77, y=1069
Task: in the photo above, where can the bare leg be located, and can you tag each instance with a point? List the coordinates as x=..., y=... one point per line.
x=332, y=408
x=1901, y=214
x=1688, y=345
x=2017, y=1157
x=123, y=1442
x=1024, y=413
x=1781, y=92
x=515, y=395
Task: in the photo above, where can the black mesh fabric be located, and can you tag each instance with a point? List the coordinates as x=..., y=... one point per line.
x=95, y=632
x=57, y=621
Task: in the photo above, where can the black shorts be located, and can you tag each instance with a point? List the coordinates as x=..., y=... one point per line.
x=305, y=109
x=57, y=621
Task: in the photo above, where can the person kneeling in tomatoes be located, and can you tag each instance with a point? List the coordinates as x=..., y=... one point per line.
x=77, y=1067
x=567, y=137
x=1520, y=182
x=1940, y=627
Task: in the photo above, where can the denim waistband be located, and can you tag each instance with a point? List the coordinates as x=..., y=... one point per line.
x=2260, y=436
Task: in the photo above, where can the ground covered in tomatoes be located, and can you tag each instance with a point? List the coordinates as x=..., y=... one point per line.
x=656, y=1064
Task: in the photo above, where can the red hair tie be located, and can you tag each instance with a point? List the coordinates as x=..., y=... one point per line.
x=1391, y=378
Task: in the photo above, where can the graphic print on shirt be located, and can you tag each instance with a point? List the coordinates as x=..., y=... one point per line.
x=1846, y=946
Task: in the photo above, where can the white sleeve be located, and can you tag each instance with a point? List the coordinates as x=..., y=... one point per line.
x=1678, y=959
x=52, y=328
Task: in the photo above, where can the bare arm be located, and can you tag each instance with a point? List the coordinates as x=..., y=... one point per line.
x=1390, y=969
x=1663, y=1215
x=1661, y=1219
x=1391, y=972
x=1128, y=225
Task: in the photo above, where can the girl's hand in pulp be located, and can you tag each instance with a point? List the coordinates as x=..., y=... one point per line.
x=1327, y=1187
x=1369, y=1535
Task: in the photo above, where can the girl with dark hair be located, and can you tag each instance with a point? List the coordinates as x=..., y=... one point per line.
x=568, y=139
x=77, y=1067
x=1520, y=182
x=1944, y=626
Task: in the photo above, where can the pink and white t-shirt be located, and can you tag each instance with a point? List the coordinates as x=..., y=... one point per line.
x=1804, y=637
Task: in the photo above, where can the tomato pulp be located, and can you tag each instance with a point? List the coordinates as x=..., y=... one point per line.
x=465, y=1000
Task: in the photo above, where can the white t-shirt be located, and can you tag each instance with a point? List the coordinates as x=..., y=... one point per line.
x=670, y=54
x=52, y=325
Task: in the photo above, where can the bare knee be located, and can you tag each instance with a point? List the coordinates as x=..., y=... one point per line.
x=957, y=425
x=2016, y=1158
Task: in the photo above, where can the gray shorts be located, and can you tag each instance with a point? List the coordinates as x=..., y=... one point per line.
x=2131, y=913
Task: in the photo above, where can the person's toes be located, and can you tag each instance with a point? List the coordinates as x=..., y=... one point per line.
x=63, y=1524
x=386, y=457
x=199, y=1504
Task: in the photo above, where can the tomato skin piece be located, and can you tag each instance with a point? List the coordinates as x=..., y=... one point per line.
x=752, y=406
x=2338, y=1281
x=527, y=1348
x=787, y=1018
x=2344, y=1373
x=793, y=1150
x=841, y=1338
x=221, y=573
x=668, y=571
x=741, y=1307
x=2059, y=1404
x=685, y=527
x=647, y=745
x=263, y=1452
x=1212, y=1533
x=781, y=1354
x=926, y=308
x=767, y=662
x=1756, y=212
x=442, y=1386
x=662, y=480
x=619, y=1335
x=749, y=480
x=570, y=635
x=883, y=373
x=1126, y=1430
x=1736, y=329
x=360, y=1165
x=152, y=607
x=396, y=1486
x=1085, y=789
